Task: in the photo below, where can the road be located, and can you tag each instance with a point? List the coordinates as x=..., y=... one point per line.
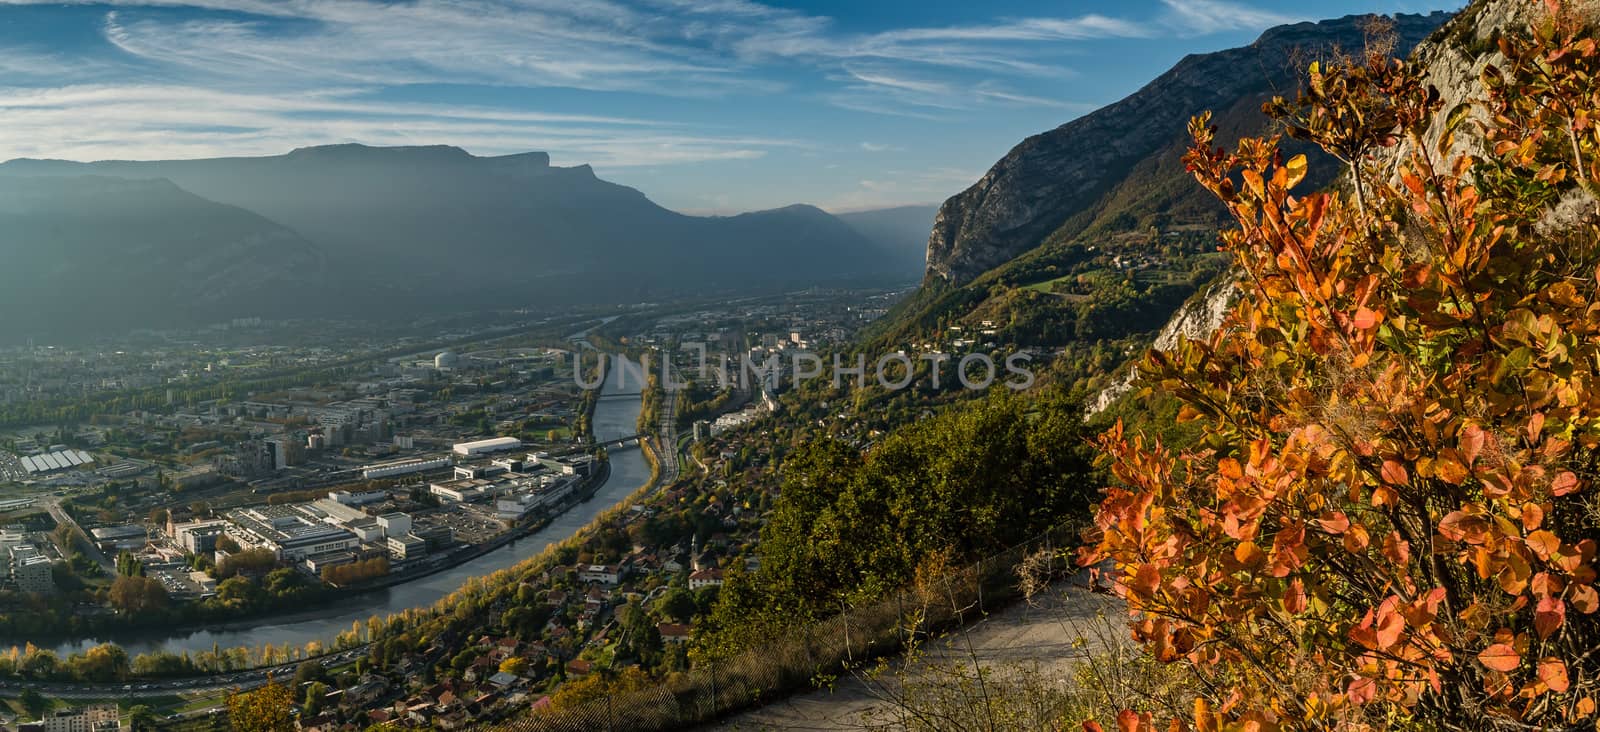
x=53, y=505
x=667, y=435
x=220, y=682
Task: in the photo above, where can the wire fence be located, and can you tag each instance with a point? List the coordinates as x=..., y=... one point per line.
x=793, y=662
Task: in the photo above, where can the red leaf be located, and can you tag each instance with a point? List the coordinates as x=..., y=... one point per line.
x=1396, y=549
x=1334, y=523
x=1365, y=319
x=1532, y=516
x=1394, y=473
x=1464, y=527
x=1129, y=721
x=1549, y=615
x=1390, y=624
x=1564, y=483
x=1295, y=599
x=1092, y=726
x=1553, y=672
x=1361, y=690
x=1471, y=442
x=1146, y=579
x=1500, y=657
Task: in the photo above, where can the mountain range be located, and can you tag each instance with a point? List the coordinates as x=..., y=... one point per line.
x=351, y=230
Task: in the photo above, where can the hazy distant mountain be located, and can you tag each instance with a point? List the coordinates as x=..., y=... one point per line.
x=437, y=228
x=95, y=253
x=902, y=231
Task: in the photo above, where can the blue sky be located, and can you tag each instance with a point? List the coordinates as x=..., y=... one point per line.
x=705, y=105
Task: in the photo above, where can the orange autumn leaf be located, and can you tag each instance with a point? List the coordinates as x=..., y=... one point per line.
x=1334, y=522
x=1543, y=543
x=1553, y=673
x=1393, y=472
x=1464, y=527
x=1500, y=657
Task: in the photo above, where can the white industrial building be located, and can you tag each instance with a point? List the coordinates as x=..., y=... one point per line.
x=58, y=460
x=395, y=524
x=403, y=467
x=484, y=447
x=199, y=537
x=10, y=538
x=548, y=491
x=406, y=546
x=290, y=532
x=462, y=491
x=367, y=530
x=358, y=499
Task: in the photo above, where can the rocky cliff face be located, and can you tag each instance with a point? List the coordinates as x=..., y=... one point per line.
x=1197, y=319
x=1048, y=180
x=1453, y=59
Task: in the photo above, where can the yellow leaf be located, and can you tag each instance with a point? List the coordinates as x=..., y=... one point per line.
x=1296, y=166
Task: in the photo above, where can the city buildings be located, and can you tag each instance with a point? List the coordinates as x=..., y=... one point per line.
x=199, y=537
x=705, y=578
x=113, y=539
x=96, y=718
x=30, y=570
x=406, y=546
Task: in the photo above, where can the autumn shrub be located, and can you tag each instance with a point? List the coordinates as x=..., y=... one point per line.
x=1389, y=519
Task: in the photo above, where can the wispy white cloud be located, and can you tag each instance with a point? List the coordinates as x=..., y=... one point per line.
x=697, y=47
x=144, y=122
x=261, y=76
x=1202, y=17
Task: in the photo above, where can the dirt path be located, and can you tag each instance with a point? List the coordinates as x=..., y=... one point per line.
x=1061, y=625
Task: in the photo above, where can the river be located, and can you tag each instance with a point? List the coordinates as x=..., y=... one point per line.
x=616, y=415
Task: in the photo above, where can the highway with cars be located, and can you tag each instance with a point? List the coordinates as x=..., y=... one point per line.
x=243, y=680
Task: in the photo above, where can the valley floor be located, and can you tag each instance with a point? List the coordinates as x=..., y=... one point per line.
x=1060, y=626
